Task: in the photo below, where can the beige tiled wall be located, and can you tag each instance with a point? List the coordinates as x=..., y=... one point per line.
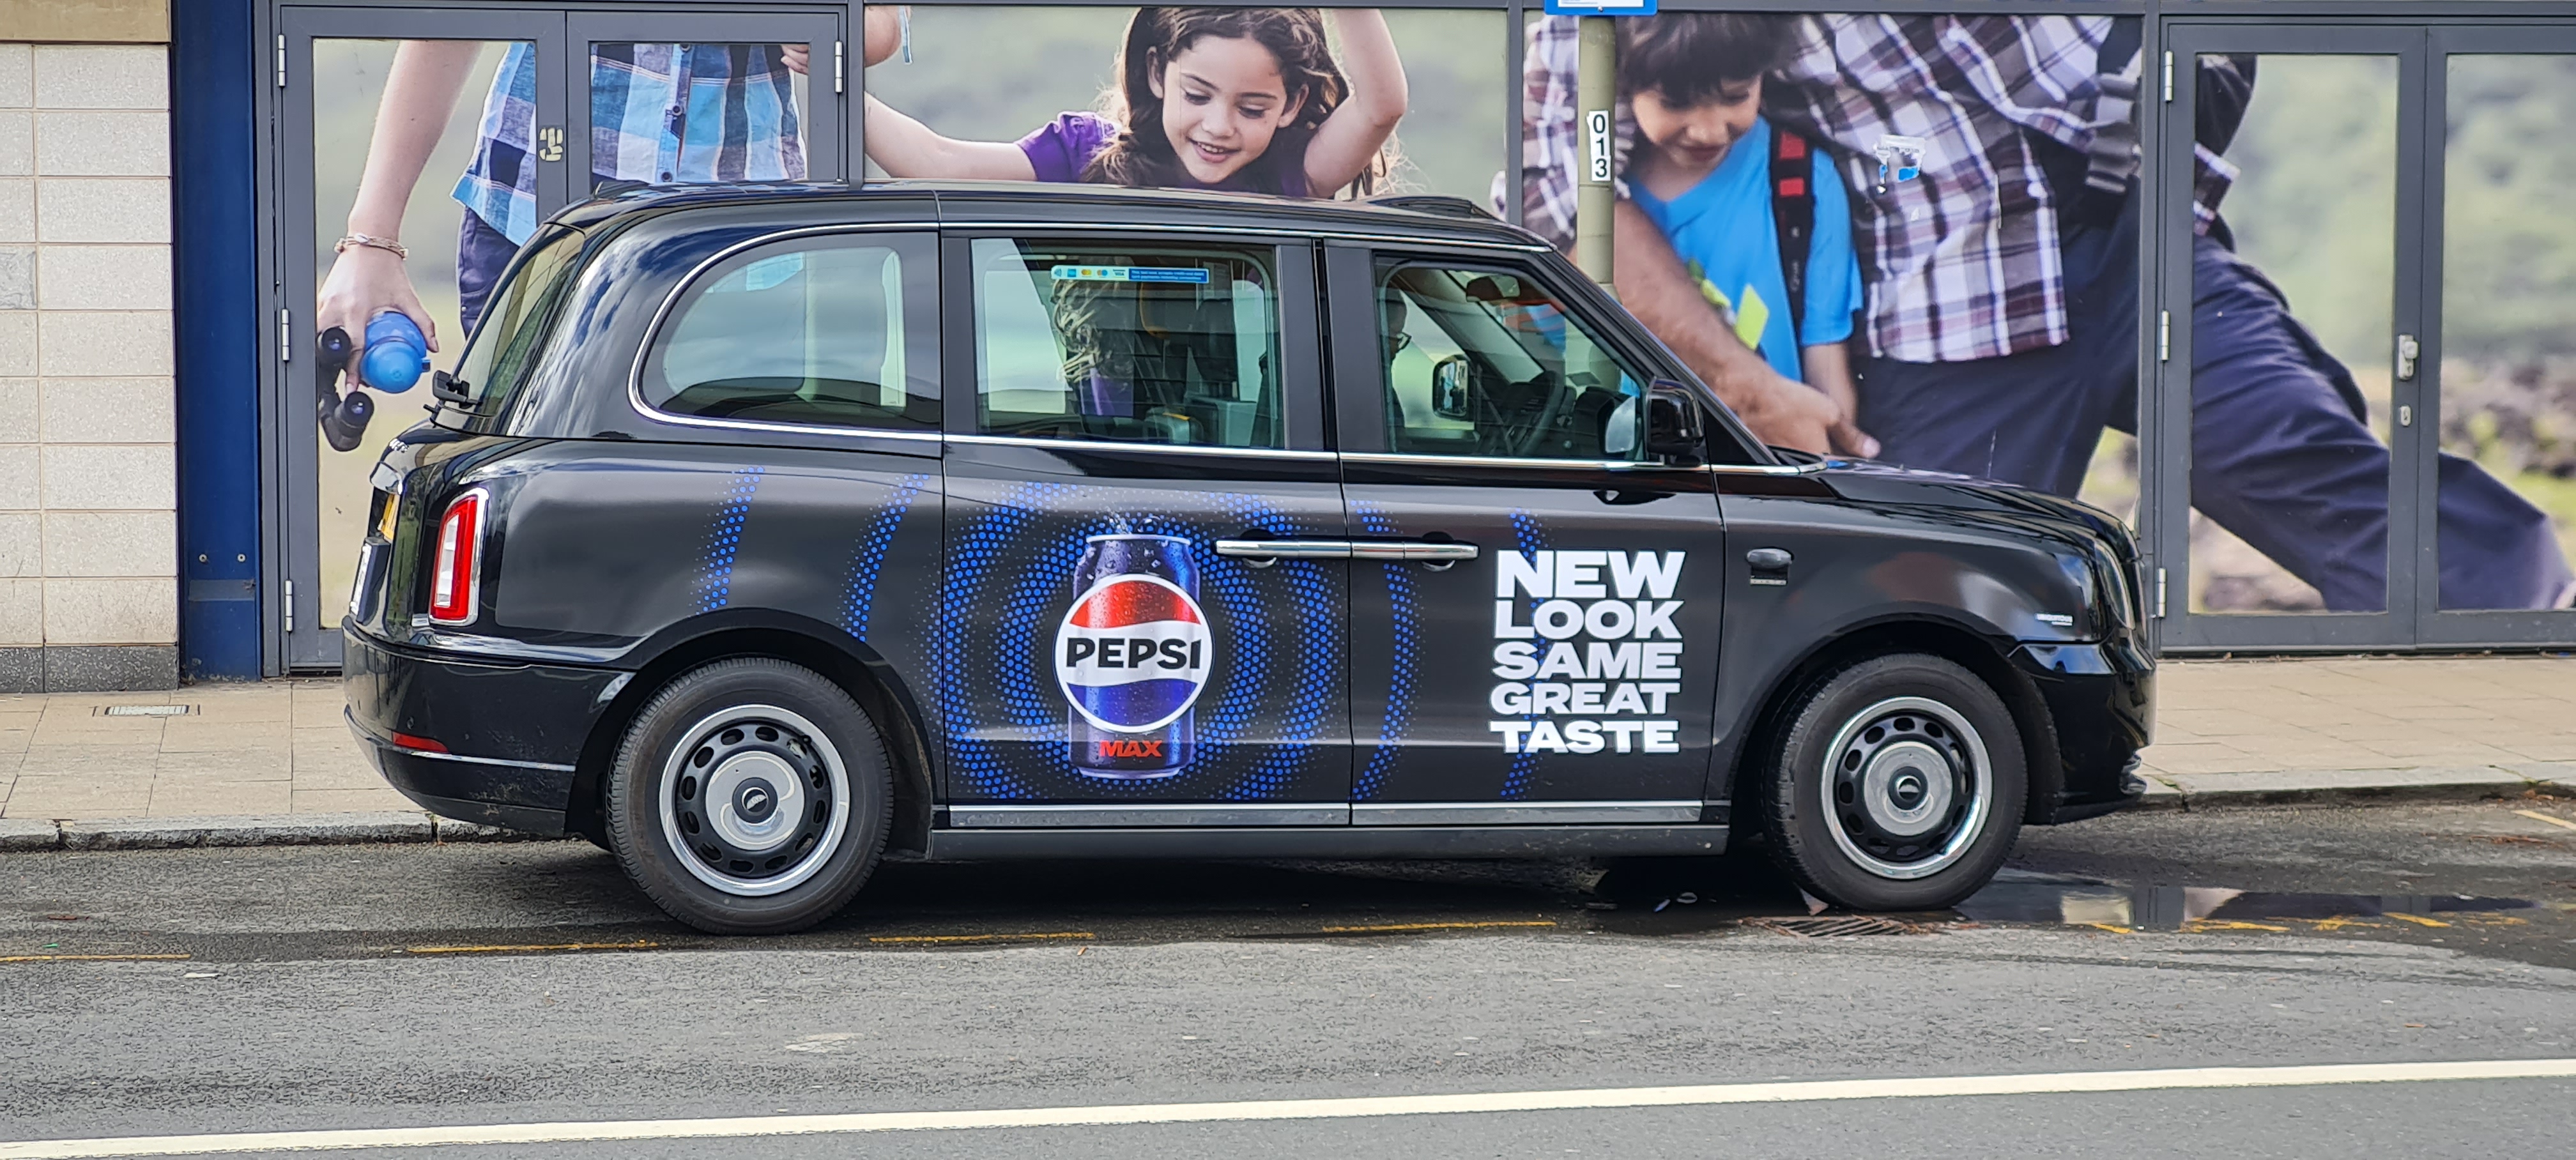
x=88, y=526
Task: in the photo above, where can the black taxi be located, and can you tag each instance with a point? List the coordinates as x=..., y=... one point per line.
x=765, y=532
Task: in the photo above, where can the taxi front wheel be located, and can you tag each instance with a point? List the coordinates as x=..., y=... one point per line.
x=751, y=796
x=1897, y=786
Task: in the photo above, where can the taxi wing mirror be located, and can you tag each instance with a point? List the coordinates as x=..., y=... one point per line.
x=1453, y=386
x=1673, y=422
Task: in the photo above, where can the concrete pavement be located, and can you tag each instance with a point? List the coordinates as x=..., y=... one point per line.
x=272, y=762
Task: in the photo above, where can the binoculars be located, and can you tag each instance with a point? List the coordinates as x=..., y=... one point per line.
x=393, y=358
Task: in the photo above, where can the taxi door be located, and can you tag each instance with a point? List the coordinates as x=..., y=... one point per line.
x=1145, y=572
x=1536, y=639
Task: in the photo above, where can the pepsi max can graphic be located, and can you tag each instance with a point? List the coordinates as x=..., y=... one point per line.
x=1132, y=655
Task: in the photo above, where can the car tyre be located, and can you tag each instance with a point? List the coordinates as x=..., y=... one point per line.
x=1898, y=785
x=750, y=796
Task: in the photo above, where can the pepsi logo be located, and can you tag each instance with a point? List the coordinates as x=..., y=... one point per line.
x=1133, y=653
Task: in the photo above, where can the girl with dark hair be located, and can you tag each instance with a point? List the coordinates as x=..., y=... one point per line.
x=1241, y=99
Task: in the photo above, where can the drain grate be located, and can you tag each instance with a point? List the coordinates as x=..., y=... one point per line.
x=1834, y=926
x=145, y=710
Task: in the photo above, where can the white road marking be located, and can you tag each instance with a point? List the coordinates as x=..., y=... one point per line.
x=1318, y=1109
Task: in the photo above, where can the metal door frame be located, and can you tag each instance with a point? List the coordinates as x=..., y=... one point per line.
x=2411, y=454
x=2481, y=627
x=307, y=635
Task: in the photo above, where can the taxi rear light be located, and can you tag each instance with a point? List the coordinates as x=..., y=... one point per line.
x=455, y=585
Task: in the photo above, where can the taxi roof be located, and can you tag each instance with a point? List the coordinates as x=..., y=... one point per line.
x=1412, y=217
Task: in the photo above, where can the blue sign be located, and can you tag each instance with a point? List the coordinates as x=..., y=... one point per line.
x=1600, y=7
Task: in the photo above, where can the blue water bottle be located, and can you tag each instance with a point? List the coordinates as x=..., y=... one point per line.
x=396, y=355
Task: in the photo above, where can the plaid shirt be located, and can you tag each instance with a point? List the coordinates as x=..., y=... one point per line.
x=1962, y=260
x=658, y=112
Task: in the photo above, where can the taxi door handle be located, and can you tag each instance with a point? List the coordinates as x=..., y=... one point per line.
x=1285, y=549
x=1440, y=551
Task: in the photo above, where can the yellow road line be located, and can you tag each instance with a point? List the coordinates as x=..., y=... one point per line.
x=2537, y=816
x=971, y=938
x=1405, y=926
x=2417, y=919
x=2112, y=928
x=499, y=949
x=2197, y=925
x=90, y=958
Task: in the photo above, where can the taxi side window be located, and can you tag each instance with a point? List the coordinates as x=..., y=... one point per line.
x=1169, y=344
x=1483, y=361
x=809, y=332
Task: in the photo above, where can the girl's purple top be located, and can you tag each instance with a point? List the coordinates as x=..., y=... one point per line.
x=1062, y=148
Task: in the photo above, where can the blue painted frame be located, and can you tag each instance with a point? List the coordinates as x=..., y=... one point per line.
x=215, y=73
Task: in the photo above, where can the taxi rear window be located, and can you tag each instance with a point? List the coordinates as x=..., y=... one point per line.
x=1174, y=344
x=515, y=320
x=829, y=331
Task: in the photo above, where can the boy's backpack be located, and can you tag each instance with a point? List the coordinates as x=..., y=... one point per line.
x=1793, y=217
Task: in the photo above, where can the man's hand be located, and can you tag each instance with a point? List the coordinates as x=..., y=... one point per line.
x=793, y=56
x=1781, y=411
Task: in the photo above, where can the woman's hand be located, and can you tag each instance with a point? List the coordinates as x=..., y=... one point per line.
x=793, y=56
x=362, y=283
x=1349, y=140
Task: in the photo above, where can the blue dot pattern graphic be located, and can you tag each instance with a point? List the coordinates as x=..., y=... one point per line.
x=1009, y=574
x=1405, y=606
x=724, y=540
x=859, y=595
x=1531, y=538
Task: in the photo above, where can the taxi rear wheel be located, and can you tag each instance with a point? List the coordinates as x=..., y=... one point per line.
x=750, y=797
x=1897, y=786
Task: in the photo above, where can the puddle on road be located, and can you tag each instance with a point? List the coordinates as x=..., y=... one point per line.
x=2016, y=898
x=1651, y=900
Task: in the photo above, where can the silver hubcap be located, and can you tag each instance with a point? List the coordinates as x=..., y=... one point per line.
x=754, y=800
x=1907, y=787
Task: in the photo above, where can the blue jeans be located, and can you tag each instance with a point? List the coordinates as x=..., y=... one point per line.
x=2281, y=454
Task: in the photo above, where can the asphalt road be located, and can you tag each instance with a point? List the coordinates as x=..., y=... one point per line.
x=374, y=987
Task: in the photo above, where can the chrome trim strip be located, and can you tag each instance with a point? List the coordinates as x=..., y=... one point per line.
x=1408, y=458
x=1769, y=468
x=1152, y=814
x=1043, y=228
x=350, y=716
x=1287, y=549
x=1521, y=813
x=1110, y=445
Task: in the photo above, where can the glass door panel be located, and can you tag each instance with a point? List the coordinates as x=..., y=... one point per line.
x=413, y=129
x=710, y=98
x=2506, y=359
x=2290, y=387
x=2289, y=254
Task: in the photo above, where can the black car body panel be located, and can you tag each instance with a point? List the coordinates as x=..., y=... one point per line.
x=927, y=571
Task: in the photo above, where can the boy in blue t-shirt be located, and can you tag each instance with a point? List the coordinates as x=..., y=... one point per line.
x=1701, y=170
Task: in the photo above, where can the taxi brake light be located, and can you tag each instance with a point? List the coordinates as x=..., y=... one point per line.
x=455, y=587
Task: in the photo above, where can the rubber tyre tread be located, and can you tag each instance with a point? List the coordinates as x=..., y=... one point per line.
x=633, y=811
x=1801, y=842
